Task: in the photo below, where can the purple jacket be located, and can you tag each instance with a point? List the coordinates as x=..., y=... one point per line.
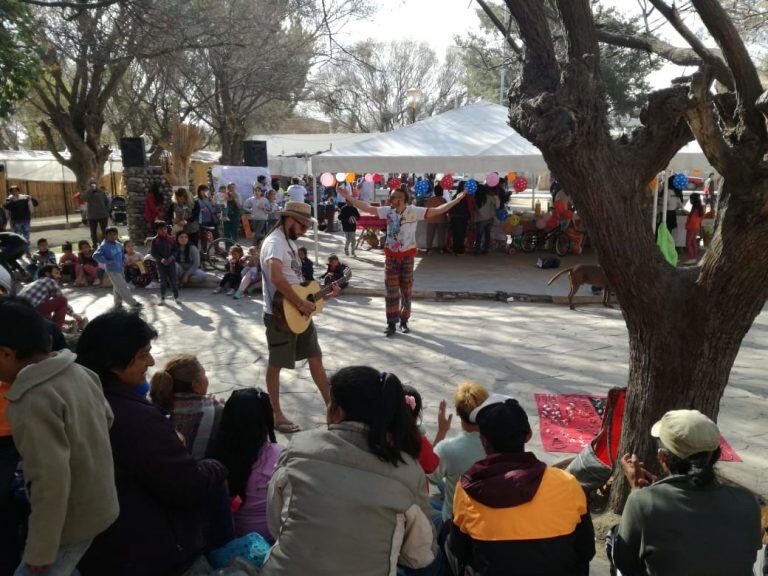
x=163, y=492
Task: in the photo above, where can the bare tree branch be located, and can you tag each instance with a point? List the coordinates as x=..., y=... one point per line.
x=540, y=68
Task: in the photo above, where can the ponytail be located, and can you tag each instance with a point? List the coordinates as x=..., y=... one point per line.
x=377, y=400
x=177, y=377
x=699, y=468
x=161, y=390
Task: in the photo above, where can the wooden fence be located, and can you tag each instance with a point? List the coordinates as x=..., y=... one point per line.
x=57, y=198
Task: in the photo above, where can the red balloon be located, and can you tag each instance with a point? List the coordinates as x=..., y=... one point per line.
x=447, y=182
x=394, y=183
x=521, y=184
x=378, y=178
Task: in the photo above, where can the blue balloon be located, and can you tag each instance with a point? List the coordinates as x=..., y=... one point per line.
x=471, y=187
x=422, y=187
x=680, y=181
x=502, y=214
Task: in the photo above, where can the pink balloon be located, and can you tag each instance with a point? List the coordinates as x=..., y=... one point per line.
x=327, y=179
x=492, y=179
x=369, y=177
x=541, y=224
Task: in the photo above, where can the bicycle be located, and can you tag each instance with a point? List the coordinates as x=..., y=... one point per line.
x=214, y=253
x=535, y=239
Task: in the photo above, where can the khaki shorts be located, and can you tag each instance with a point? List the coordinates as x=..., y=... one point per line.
x=285, y=348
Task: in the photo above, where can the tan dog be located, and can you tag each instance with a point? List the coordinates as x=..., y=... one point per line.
x=584, y=274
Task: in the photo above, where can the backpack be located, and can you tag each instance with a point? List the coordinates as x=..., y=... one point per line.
x=548, y=262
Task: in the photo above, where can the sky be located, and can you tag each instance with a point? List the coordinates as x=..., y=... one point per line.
x=436, y=22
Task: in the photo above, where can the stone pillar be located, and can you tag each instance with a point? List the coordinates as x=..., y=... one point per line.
x=138, y=182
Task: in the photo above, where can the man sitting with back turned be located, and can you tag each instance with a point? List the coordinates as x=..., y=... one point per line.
x=687, y=523
x=513, y=514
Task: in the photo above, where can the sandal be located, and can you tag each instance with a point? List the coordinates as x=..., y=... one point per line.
x=287, y=427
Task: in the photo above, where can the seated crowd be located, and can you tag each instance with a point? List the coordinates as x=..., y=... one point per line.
x=122, y=477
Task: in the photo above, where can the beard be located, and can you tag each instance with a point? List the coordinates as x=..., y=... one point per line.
x=292, y=234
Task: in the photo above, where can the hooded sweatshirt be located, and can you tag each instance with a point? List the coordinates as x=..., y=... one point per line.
x=60, y=422
x=512, y=514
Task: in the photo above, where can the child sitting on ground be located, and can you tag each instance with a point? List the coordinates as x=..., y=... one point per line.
x=135, y=271
x=68, y=263
x=335, y=272
x=307, y=267
x=40, y=258
x=232, y=277
x=251, y=273
x=427, y=457
x=247, y=446
x=87, y=269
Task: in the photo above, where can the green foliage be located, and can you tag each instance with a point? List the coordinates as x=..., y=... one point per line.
x=19, y=62
x=624, y=71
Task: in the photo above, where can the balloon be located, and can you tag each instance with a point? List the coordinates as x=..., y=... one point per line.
x=394, y=183
x=351, y=177
x=502, y=214
x=513, y=219
x=541, y=224
x=447, y=182
x=492, y=179
x=511, y=176
x=378, y=178
x=327, y=179
x=341, y=176
x=471, y=187
x=521, y=184
x=680, y=181
x=369, y=178
x=422, y=188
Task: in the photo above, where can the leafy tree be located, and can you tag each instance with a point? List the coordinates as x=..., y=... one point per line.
x=685, y=324
x=19, y=62
x=485, y=53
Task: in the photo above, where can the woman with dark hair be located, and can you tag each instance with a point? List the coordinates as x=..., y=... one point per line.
x=188, y=260
x=165, y=495
x=352, y=499
x=154, y=208
x=247, y=446
x=687, y=522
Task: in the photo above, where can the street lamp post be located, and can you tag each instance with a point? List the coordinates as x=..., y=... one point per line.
x=414, y=95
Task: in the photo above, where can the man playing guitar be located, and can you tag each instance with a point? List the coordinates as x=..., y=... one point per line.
x=281, y=269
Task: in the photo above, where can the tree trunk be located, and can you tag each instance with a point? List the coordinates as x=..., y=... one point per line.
x=232, y=146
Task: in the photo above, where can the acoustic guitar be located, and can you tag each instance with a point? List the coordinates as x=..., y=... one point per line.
x=289, y=318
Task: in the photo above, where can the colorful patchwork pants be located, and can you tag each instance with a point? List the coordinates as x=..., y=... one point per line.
x=398, y=277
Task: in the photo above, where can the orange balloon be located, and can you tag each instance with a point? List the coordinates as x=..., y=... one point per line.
x=511, y=176
x=351, y=177
x=654, y=183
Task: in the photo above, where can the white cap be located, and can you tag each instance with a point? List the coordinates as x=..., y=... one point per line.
x=686, y=432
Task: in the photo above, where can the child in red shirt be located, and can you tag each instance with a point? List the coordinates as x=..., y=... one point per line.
x=427, y=457
x=693, y=226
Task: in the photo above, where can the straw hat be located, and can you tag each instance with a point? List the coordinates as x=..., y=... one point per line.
x=300, y=211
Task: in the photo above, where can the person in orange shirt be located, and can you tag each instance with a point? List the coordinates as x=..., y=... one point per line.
x=693, y=226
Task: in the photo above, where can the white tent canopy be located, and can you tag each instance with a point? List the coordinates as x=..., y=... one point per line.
x=472, y=139
x=475, y=139
x=308, y=144
x=42, y=166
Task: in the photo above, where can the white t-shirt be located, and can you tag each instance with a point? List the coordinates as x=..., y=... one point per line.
x=297, y=193
x=277, y=246
x=401, y=228
x=257, y=206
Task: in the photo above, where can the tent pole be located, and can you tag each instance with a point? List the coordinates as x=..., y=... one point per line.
x=64, y=194
x=666, y=194
x=315, y=224
x=655, y=204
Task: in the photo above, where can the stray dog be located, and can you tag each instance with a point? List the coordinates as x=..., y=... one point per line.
x=585, y=274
